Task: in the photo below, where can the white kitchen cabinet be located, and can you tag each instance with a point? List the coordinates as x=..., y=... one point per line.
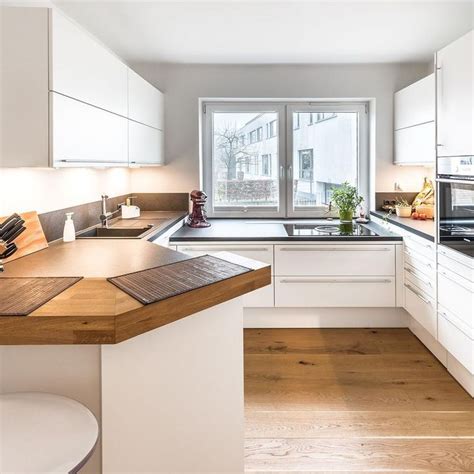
x=414, y=118
x=421, y=306
x=46, y=56
x=337, y=260
x=145, y=102
x=415, y=145
x=357, y=291
x=83, y=135
x=84, y=69
x=145, y=145
x=415, y=104
x=456, y=342
x=455, y=97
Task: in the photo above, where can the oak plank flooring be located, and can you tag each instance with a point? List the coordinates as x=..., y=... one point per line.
x=352, y=400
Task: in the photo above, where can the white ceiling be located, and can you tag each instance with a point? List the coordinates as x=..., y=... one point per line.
x=273, y=32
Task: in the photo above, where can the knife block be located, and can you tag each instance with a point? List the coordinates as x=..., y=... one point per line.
x=31, y=240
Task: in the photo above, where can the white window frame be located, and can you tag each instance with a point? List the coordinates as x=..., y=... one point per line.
x=363, y=167
x=209, y=108
x=285, y=154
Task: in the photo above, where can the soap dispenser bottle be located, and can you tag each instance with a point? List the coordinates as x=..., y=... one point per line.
x=69, y=234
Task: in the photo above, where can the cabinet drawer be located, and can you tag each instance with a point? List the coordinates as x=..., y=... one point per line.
x=457, y=295
x=83, y=135
x=415, y=145
x=328, y=260
x=421, y=307
x=261, y=253
x=456, y=262
x=145, y=145
x=456, y=342
x=419, y=246
x=297, y=292
x=421, y=264
x=417, y=278
x=261, y=298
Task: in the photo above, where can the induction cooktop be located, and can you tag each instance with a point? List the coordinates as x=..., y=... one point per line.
x=336, y=229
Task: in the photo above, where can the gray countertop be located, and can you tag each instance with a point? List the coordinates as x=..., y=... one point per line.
x=271, y=230
x=425, y=229
x=102, y=258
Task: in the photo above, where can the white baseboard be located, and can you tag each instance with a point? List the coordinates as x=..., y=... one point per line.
x=461, y=374
x=325, y=318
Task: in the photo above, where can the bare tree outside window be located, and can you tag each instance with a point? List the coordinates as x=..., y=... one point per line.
x=242, y=174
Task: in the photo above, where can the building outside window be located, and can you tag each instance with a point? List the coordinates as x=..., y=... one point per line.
x=272, y=129
x=266, y=165
x=306, y=167
x=288, y=170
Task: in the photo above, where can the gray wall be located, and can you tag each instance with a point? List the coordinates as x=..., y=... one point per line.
x=183, y=85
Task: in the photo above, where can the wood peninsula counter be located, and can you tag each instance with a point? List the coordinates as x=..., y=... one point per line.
x=94, y=311
x=165, y=380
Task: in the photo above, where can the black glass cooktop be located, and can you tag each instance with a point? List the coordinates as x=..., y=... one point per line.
x=321, y=230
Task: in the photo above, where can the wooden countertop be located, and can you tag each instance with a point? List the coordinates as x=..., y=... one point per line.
x=94, y=311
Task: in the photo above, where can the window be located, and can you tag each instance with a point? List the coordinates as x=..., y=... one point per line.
x=305, y=167
x=266, y=165
x=257, y=159
x=272, y=129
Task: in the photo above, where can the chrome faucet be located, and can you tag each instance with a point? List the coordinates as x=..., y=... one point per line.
x=106, y=215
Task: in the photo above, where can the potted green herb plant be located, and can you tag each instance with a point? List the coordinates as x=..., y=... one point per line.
x=402, y=207
x=346, y=199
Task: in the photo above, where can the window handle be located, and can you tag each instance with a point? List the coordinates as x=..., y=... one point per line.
x=282, y=172
x=290, y=171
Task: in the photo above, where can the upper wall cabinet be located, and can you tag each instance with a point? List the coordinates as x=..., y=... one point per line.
x=145, y=103
x=414, y=118
x=67, y=100
x=415, y=104
x=83, y=69
x=455, y=97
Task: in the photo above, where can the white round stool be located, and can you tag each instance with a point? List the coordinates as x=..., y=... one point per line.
x=45, y=433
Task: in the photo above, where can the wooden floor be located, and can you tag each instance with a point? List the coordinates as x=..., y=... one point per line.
x=352, y=400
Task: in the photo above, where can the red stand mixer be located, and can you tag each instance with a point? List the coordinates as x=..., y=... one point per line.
x=197, y=218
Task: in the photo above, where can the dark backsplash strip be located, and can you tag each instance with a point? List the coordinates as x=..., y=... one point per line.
x=381, y=197
x=87, y=215
x=162, y=201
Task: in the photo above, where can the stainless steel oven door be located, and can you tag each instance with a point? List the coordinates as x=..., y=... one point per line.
x=456, y=215
x=456, y=167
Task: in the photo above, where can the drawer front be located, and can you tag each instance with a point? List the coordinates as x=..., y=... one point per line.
x=418, y=279
x=419, y=246
x=329, y=260
x=459, y=265
x=456, y=294
x=261, y=298
x=421, y=307
x=261, y=253
x=456, y=342
x=421, y=264
x=297, y=292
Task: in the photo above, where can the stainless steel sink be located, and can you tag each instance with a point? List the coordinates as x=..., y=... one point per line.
x=114, y=233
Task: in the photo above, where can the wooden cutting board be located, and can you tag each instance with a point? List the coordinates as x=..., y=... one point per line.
x=32, y=239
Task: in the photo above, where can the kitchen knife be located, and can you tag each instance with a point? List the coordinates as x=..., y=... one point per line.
x=14, y=233
x=11, y=249
x=8, y=224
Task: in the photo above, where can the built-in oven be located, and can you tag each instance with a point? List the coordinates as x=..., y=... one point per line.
x=456, y=212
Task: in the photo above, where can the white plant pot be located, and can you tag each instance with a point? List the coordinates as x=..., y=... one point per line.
x=403, y=211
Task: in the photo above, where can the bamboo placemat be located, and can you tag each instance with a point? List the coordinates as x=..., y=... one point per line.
x=159, y=283
x=21, y=296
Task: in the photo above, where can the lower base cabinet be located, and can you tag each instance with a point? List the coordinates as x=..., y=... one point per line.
x=297, y=292
x=421, y=307
x=456, y=342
